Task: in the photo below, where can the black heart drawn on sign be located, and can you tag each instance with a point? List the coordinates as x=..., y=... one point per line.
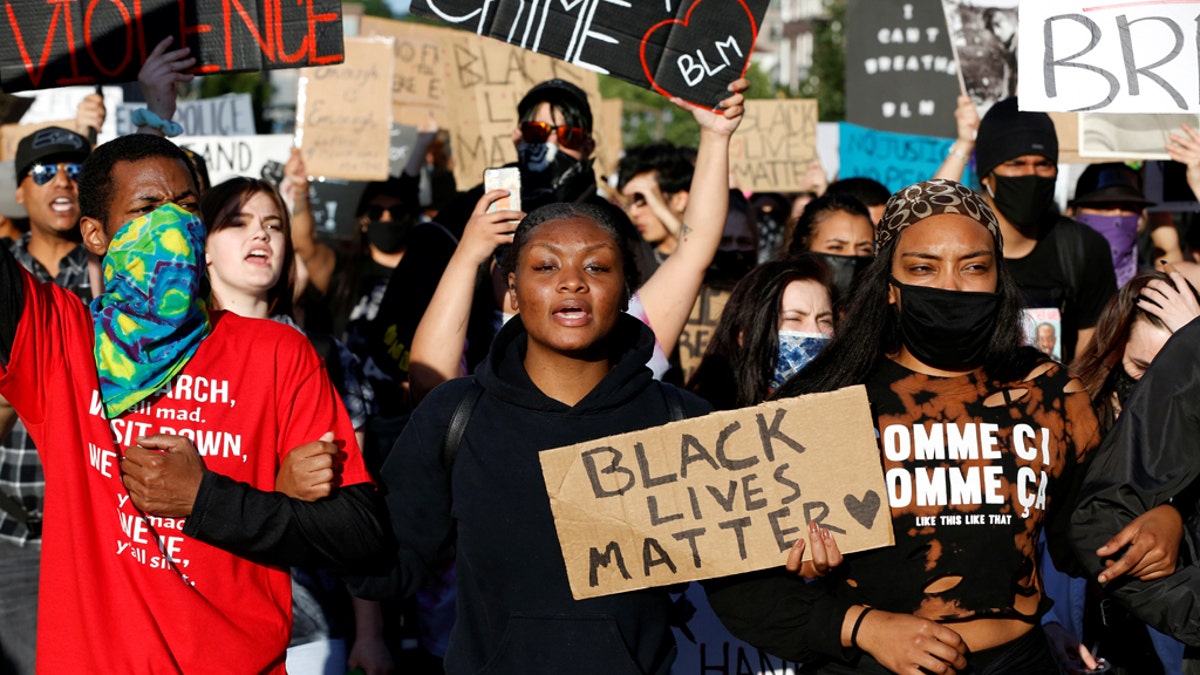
x=863, y=510
x=686, y=20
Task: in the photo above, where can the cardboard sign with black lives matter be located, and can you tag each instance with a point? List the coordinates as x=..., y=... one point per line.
x=774, y=145
x=687, y=48
x=722, y=494
x=901, y=75
x=54, y=43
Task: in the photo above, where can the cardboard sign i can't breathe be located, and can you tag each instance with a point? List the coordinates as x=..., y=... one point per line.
x=722, y=494
x=687, y=48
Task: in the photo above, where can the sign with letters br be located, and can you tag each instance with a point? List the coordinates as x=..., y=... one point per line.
x=722, y=494
x=52, y=43
x=687, y=48
x=1110, y=56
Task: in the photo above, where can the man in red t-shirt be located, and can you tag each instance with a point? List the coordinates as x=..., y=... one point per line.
x=163, y=548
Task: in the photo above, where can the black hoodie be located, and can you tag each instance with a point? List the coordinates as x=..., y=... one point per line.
x=515, y=610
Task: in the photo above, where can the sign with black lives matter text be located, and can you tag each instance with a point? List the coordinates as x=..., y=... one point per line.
x=54, y=43
x=691, y=49
x=1109, y=56
x=722, y=494
x=901, y=75
x=774, y=145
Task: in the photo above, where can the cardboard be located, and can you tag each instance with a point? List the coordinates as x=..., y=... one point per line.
x=344, y=113
x=722, y=494
x=691, y=49
x=700, y=326
x=485, y=80
x=13, y=107
x=896, y=160
x=418, y=88
x=228, y=115
x=983, y=34
x=901, y=75
x=1113, y=57
x=774, y=145
x=230, y=156
x=609, y=119
x=53, y=44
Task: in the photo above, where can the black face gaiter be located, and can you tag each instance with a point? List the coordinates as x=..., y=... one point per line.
x=1023, y=200
x=948, y=330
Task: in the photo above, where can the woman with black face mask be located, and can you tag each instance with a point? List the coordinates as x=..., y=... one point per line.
x=837, y=228
x=979, y=436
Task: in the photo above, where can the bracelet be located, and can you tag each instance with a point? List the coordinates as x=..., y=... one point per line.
x=955, y=152
x=857, y=625
x=142, y=117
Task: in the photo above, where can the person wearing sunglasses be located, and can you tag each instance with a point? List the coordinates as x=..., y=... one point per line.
x=47, y=171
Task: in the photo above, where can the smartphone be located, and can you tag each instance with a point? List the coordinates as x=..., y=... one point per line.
x=504, y=178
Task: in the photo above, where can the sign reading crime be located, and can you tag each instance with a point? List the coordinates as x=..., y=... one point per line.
x=896, y=160
x=55, y=43
x=773, y=146
x=722, y=494
x=687, y=48
x=344, y=113
x=901, y=75
x=1109, y=56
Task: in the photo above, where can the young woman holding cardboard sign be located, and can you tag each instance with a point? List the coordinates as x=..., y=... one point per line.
x=979, y=439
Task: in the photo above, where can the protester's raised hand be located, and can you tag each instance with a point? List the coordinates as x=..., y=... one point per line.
x=294, y=185
x=966, y=119
x=905, y=644
x=90, y=113
x=162, y=474
x=485, y=231
x=1173, y=302
x=815, y=178
x=646, y=185
x=732, y=109
x=1185, y=149
x=309, y=472
x=1151, y=543
x=160, y=73
x=825, y=554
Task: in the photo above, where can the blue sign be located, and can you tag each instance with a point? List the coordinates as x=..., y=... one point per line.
x=896, y=160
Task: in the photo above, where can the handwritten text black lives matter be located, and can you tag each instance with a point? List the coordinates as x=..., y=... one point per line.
x=148, y=539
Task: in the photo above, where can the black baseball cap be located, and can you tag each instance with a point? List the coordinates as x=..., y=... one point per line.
x=557, y=91
x=51, y=143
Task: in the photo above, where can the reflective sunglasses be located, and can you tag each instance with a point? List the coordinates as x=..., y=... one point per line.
x=44, y=173
x=571, y=138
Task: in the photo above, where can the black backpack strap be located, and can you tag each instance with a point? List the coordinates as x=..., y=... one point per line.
x=674, y=402
x=458, y=423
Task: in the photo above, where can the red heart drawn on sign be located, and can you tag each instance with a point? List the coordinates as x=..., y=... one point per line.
x=686, y=20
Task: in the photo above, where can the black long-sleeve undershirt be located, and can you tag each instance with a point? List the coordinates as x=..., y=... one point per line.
x=12, y=301
x=342, y=531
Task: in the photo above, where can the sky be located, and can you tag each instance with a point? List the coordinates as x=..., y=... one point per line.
x=399, y=6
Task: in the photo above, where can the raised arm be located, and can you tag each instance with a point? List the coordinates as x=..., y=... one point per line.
x=966, y=118
x=317, y=256
x=159, y=75
x=440, y=338
x=668, y=295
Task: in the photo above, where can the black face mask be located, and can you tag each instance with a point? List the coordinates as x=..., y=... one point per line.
x=731, y=265
x=948, y=330
x=846, y=269
x=550, y=175
x=1123, y=383
x=1023, y=200
x=389, y=236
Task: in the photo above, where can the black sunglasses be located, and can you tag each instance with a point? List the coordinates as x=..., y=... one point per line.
x=571, y=138
x=44, y=173
x=374, y=213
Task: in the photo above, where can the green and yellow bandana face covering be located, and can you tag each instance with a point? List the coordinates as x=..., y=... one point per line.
x=150, y=319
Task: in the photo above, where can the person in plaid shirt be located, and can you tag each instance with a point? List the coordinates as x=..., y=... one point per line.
x=47, y=168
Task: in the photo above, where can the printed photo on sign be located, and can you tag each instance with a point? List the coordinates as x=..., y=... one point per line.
x=984, y=36
x=1116, y=136
x=1043, y=330
x=687, y=48
x=1109, y=56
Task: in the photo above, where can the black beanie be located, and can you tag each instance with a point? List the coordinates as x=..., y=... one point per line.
x=1007, y=132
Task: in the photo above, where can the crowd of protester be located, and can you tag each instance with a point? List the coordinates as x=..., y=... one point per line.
x=202, y=395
